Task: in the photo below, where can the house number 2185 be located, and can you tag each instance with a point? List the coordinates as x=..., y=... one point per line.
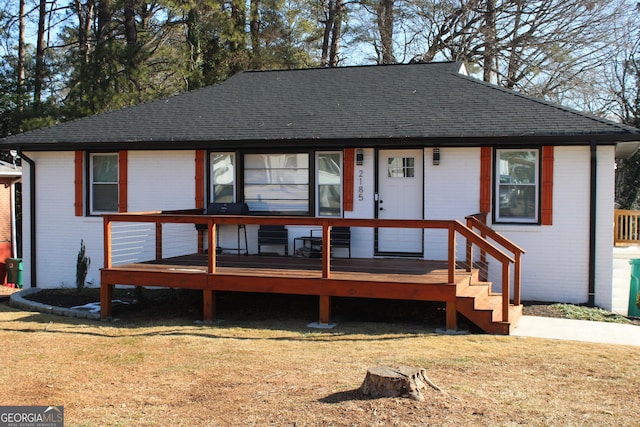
x=360, y=187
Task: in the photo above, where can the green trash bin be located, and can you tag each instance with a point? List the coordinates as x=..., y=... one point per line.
x=634, y=310
x=14, y=271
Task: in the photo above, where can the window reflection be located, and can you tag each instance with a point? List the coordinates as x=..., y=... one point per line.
x=518, y=186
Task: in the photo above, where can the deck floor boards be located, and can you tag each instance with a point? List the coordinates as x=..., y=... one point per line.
x=394, y=270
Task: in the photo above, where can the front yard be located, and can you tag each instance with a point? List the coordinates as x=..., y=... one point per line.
x=261, y=369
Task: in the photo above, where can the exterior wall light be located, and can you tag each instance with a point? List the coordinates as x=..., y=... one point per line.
x=359, y=157
x=436, y=156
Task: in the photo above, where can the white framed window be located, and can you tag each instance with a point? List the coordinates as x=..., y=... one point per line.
x=517, y=187
x=103, y=176
x=402, y=167
x=277, y=183
x=223, y=177
x=329, y=184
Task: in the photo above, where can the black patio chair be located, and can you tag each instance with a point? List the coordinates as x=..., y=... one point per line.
x=269, y=235
x=341, y=238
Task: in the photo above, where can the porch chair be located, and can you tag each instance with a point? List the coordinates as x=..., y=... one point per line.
x=269, y=235
x=341, y=238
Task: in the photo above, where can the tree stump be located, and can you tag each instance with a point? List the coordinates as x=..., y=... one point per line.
x=396, y=381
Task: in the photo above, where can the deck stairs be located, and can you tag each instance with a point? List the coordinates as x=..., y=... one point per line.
x=476, y=301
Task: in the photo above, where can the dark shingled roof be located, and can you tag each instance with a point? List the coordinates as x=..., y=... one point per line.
x=401, y=105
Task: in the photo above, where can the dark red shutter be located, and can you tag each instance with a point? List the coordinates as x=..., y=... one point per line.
x=123, y=157
x=78, y=180
x=347, y=179
x=199, y=177
x=485, y=179
x=546, y=208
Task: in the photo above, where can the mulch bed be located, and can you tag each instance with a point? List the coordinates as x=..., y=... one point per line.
x=179, y=303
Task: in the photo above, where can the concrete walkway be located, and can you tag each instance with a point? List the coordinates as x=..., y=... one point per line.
x=577, y=330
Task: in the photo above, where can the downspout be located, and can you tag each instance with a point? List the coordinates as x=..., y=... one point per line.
x=592, y=224
x=32, y=216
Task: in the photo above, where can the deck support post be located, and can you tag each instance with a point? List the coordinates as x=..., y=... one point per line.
x=325, y=309
x=452, y=316
x=209, y=305
x=106, y=301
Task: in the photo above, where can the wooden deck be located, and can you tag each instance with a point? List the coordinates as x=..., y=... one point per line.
x=404, y=279
x=461, y=289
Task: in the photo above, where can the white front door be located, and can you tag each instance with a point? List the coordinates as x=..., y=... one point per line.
x=400, y=196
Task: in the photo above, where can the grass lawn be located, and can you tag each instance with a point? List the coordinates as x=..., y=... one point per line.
x=273, y=370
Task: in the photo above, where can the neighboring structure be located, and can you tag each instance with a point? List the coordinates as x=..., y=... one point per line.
x=419, y=141
x=10, y=175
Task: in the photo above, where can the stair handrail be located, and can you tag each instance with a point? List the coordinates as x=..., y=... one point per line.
x=506, y=260
x=478, y=221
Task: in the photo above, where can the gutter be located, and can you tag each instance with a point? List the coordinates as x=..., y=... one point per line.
x=395, y=141
x=592, y=224
x=32, y=216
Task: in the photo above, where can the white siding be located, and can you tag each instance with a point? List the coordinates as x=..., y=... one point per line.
x=59, y=232
x=604, y=236
x=556, y=264
x=161, y=180
x=363, y=205
x=157, y=180
x=451, y=191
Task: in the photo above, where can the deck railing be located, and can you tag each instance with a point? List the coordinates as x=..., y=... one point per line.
x=454, y=229
x=626, y=227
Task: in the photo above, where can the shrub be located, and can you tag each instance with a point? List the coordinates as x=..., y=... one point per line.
x=82, y=267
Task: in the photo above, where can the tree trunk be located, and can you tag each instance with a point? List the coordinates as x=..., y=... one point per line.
x=254, y=31
x=513, y=48
x=336, y=34
x=40, y=48
x=104, y=21
x=384, y=10
x=328, y=26
x=489, y=58
x=85, y=19
x=130, y=30
x=20, y=70
x=396, y=381
x=237, y=37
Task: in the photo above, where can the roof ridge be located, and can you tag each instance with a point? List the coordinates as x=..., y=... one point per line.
x=347, y=67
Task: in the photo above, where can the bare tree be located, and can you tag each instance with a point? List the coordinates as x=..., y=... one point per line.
x=538, y=46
